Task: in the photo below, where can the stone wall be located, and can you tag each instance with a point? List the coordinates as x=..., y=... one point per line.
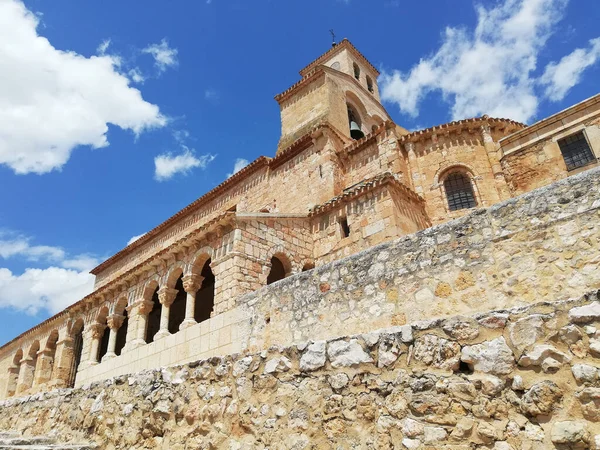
x=526, y=378
x=539, y=246
x=532, y=156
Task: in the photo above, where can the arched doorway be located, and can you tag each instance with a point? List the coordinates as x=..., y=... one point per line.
x=280, y=268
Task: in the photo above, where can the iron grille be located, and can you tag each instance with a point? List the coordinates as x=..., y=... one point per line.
x=576, y=151
x=459, y=192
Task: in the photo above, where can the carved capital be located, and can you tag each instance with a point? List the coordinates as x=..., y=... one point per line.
x=97, y=330
x=114, y=321
x=167, y=295
x=192, y=282
x=144, y=307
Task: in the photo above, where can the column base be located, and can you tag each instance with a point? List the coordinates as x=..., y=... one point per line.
x=161, y=334
x=109, y=355
x=133, y=345
x=187, y=323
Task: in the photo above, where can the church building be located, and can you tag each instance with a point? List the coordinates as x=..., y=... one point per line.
x=344, y=178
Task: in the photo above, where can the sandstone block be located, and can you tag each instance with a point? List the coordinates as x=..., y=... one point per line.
x=586, y=313
x=461, y=328
x=541, y=398
x=570, y=432
x=314, y=357
x=437, y=352
x=493, y=357
x=347, y=354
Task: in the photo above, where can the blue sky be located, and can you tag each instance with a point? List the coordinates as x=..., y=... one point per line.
x=114, y=116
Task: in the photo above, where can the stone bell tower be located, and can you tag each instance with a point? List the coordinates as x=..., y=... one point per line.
x=340, y=88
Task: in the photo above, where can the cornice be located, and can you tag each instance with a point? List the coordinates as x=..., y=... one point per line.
x=458, y=125
x=534, y=128
x=361, y=189
x=344, y=44
x=318, y=73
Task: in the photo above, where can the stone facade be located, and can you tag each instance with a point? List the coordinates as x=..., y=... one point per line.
x=518, y=379
x=346, y=206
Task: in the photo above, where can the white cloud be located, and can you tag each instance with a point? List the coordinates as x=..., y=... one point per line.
x=136, y=75
x=240, y=163
x=52, y=288
x=20, y=246
x=560, y=77
x=167, y=165
x=487, y=70
x=135, y=238
x=101, y=50
x=164, y=56
x=52, y=101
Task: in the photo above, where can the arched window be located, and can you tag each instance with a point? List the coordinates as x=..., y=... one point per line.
x=13, y=374
x=356, y=71
x=459, y=191
x=153, y=318
x=104, y=343
x=278, y=270
x=370, y=84
x=205, y=297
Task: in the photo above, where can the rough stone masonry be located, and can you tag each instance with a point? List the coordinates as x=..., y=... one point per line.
x=525, y=378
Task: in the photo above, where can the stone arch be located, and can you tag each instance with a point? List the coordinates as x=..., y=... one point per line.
x=308, y=264
x=13, y=373
x=46, y=359
x=174, y=274
x=153, y=320
x=177, y=308
x=72, y=354
x=462, y=173
x=205, y=296
x=101, y=318
x=281, y=267
x=199, y=258
x=120, y=309
x=27, y=368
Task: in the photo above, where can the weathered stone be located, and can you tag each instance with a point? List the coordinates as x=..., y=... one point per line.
x=541, y=398
x=595, y=346
x=569, y=432
x=434, y=434
x=338, y=380
x=461, y=328
x=570, y=334
x=347, y=354
x=586, y=313
x=525, y=332
x=411, y=428
x=493, y=357
x=540, y=353
x=590, y=403
x=534, y=432
x=278, y=364
x=314, y=357
x=585, y=373
x=437, y=352
x=241, y=366
x=491, y=385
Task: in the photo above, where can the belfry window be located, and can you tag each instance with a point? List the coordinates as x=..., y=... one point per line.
x=459, y=192
x=576, y=151
x=278, y=270
x=345, y=228
x=355, y=124
x=370, y=85
x=356, y=71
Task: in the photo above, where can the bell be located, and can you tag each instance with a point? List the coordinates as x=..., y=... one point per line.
x=355, y=131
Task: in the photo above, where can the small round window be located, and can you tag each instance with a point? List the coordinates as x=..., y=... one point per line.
x=335, y=66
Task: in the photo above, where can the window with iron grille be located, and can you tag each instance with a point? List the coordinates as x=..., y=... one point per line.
x=459, y=192
x=576, y=151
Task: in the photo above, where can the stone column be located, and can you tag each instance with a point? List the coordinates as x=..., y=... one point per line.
x=43, y=367
x=63, y=359
x=114, y=322
x=95, y=333
x=492, y=152
x=191, y=284
x=26, y=372
x=13, y=376
x=166, y=296
x=414, y=168
x=138, y=322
